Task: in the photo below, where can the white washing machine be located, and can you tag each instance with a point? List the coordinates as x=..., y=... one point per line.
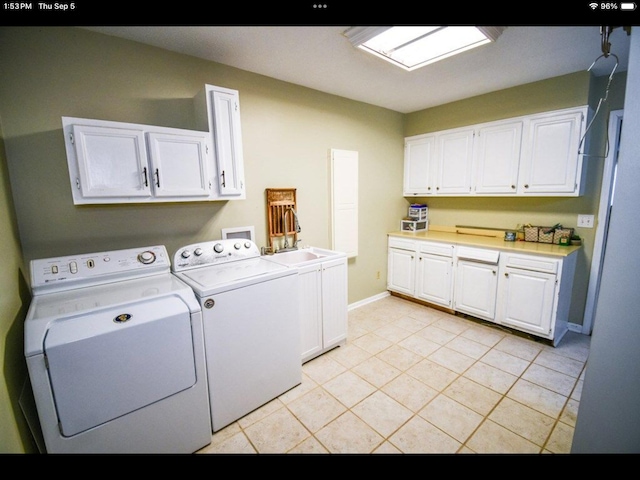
x=251, y=324
x=115, y=353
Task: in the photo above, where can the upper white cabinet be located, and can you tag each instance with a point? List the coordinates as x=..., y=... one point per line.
x=551, y=162
x=218, y=111
x=497, y=158
x=419, y=163
x=533, y=155
x=454, y=154
x=114, y=162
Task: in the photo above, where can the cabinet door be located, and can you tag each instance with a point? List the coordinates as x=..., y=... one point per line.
x=334, y=302
x=454, y=153
x=476, y=288
x=527, y=300
x=179, y=164
x=434, y=279
x=551, y=163
x=112, y=162
x=228, y=142
x=497, y=157
x=310, y=301
x=418, y=163
x=401, y=271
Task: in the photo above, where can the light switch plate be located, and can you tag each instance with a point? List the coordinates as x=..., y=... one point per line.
x=585, y=221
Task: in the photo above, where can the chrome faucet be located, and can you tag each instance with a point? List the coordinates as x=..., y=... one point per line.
x=286, y=246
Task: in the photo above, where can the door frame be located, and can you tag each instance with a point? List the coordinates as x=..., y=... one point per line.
x=599, y=246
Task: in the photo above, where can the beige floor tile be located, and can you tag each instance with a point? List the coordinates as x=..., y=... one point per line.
x=316, y=409
x=322, y=369
x=473, y=395
x=561, y=439
x=386, y=448
x=493, y=438
x=484, y=335
x=451, y=417
x=469, y=347
x=577, y=391
x=505, y=361
x=349, y=388
x=309, y=446
x=519, y=347
x=411, y=324
x=420, y=436
x=436, y=334
x=569, y=413
x=348, y=355
x=491, y=377
x=230, y=439
x=573, y=345
x=537, y=397
x=451, y=359
x=434, y=375
x=452, y=324
x=381, y=412
x=409, y=391
x=561, y=364
x=372, y=343
x=277, y=433
x=305, y=386
x=376, y=372
x=550, y=379
x=260, y=413
x=393, y=332
x=349, y=434
x=520, y=419
x=419, y=344
x=399, y=357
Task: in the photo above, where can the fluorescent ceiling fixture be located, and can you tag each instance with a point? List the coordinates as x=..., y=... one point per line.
x=415, y=47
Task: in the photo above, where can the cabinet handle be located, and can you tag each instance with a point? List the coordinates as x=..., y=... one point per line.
x=146, y=180
x=157, y=178
x=513, y=187
x=526, y=186
x=493, y=271
x=223, y=181
x=506, y=274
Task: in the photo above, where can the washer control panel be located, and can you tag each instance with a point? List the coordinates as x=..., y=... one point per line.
x=214, y=252
x=60, y=273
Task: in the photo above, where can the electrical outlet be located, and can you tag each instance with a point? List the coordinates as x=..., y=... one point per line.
x=585, y=221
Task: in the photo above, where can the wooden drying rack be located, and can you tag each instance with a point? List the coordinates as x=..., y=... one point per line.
x=279, y=200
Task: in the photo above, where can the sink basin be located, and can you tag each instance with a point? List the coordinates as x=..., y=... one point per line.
x=304, y=256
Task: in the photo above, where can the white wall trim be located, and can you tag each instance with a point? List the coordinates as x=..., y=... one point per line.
x=375, y=298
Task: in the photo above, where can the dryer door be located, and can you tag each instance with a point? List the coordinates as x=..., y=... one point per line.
x=111, y=362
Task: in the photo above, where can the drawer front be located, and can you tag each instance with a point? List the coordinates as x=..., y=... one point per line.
x=442, y=249
x=531, y=262
x=402, y=243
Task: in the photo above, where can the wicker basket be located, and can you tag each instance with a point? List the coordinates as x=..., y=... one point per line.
x=562, y=232
x=543, y=236
x=531, y=234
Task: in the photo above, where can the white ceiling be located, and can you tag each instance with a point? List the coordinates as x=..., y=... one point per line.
x=320, y=57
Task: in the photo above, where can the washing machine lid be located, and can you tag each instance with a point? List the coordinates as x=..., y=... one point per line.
x=143, y=351
x=50, y=307
x=212, y=279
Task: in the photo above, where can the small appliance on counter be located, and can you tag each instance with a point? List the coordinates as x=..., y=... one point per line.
x=417, y=220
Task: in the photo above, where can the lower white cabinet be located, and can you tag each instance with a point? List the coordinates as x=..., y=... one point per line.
x=434, y=273
x=323, y=306
x=527, y=292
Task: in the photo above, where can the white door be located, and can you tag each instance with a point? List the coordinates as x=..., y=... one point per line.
x=434, y=279
x=455, y=156
x=179, y=164
x=334, y=301
x=228, y=142
x=550, y=159
x=476, y=288
x=401, y=271
x=418, y=162
x=310, y=295
x=527, y=299
x=112, y=162
x=498, y=158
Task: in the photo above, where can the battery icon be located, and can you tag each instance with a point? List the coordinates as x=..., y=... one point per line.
x=627, y=6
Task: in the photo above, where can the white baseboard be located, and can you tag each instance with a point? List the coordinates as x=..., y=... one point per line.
x=574, y=327
x=375, y=298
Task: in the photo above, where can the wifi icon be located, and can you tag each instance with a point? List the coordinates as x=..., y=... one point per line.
x=593, y=5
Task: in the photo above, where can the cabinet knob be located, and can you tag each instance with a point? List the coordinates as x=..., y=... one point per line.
x=513, y=187
x=526, y=185
x=506, y=274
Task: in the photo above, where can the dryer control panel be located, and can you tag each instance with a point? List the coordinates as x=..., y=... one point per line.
x=74, y=271
x=214, y=252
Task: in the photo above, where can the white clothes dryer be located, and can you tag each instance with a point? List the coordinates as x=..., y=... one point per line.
x=115, y=354
x=251, y=324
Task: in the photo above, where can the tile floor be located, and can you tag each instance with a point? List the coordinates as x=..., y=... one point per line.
x=412, y=379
